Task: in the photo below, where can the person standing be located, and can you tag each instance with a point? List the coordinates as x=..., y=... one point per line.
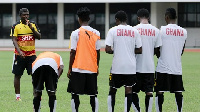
x=23, y=35
x=145, y=67
x=84, y=62
x=126, y=42
x=47, y=68
x=169, y=68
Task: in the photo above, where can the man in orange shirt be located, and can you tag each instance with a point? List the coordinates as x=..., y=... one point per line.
x=47, y=67
x=84, y=61
x=23, y=35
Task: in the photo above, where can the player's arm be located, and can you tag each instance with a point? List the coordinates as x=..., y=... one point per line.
x=109, y=50
x=157, y=52
x=138, y=50
x=71, y=61
x=60, y=70
x=36, y=34
x=183, y=49
x=14, y=39
x=98, y=59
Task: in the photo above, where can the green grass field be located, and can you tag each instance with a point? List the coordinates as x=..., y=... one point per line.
x=191, y=79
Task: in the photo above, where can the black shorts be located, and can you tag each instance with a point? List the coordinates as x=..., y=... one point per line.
x=145, y=82
x=83, y=83
x=119, y=80
x=168, y=82
x=45, y=74
x=19, y=64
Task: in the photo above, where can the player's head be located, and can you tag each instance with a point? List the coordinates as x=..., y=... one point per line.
x=143, y=13
x=83, y=14
x=24, y=14
x=120, y=17
x=170, y=14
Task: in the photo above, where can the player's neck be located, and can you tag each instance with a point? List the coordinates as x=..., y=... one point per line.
x=123, y=23
x=144, y=21
x=84, y=24
x=172, y=22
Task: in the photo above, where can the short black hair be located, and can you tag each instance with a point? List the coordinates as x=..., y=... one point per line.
x=171, y=12
x=84, y=13
x=143, y=13
x=23, y=10
x=121, y=15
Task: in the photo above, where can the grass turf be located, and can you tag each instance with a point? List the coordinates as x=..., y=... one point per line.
x=191, y=78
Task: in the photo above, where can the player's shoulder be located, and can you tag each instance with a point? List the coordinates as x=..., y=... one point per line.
x=182, y=28
x=33, y=22
x=17, y=23
x=95, y=31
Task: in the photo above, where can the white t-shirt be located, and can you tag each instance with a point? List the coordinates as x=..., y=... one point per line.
x=47, y=61
x=150, y=39
x=74, y=40
x=124, y=39
x=173, y=39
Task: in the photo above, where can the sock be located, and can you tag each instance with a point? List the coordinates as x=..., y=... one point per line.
x=75, y=102
x=36, y=103
x=94, y=103
x=149, y=102
x=127, y=102
x=111, y=103
x=52, y=103
x=159, y=101
x=136, y=103
x=179, y=102
x=17, y=95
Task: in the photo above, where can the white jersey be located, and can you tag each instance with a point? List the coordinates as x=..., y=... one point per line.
x=150, y=39
x=124, y=39
x=74, y=40
x=47, y=61
x=173, y=40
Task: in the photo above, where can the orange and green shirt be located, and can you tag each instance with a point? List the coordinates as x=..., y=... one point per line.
x=25, y=37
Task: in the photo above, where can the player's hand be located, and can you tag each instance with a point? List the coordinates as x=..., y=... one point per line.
x=69, y=73
x=22, y=54
x=29, y=24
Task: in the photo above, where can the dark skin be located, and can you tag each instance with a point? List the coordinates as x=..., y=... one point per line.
x=73, y=52
x=24, y=19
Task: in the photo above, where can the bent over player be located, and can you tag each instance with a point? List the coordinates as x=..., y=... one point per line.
x=84, y=62
x=23, y=35
x=145, y=67
x=47, y=68
x=125, y=41
x=169, y=67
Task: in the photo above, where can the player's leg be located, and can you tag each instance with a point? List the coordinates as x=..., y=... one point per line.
x=178, y=88
x=51, y=79
x=17, y=70
x=114, y=83
x=111, y=99
x=179, y=101
x=148, y=83
x=91, y=89
x=136, y=102
x=135, y=90
x=37, y=81
x=36, y=101
x=52, y=101
x=76, y=86
x=159, y=101
x=128, y=98
x=94, y=103
x=148, y=101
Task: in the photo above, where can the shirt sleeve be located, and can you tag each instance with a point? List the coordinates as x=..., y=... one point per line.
x=74, y=40
x=13, y=32
x=138, y=40
x=158, y=40
x=109, y=39
x=61, y=61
